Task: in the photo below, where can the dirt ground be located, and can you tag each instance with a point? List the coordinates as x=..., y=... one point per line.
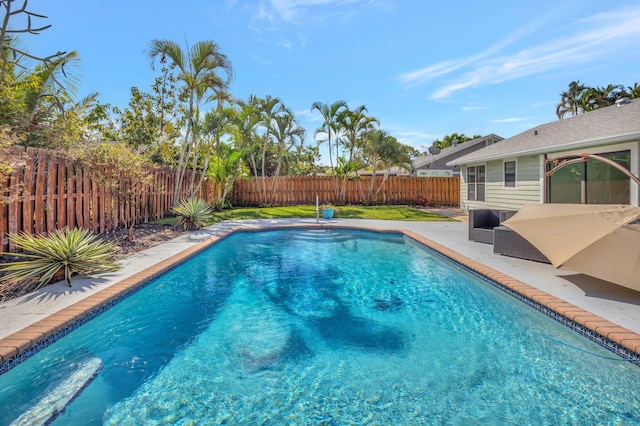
x=141, y=237
x=126, y=243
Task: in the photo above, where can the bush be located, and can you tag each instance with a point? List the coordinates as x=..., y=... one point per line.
x=73, y=252
x=423, y=202
x=192, y=213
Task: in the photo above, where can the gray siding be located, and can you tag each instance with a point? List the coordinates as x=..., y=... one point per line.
x=441, y=163
x=459, y=151
x=528, y=185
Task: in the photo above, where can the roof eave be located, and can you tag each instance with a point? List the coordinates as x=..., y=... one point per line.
x=460, y=146
x=627, y=137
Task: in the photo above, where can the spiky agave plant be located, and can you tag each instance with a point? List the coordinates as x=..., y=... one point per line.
x=71, y=250
x=192, y=213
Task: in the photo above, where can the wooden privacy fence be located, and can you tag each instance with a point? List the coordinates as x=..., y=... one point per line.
x=301, y=190
x=48, y=193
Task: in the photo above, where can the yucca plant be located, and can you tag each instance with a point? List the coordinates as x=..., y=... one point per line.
x=74, y=251
x=192, y=213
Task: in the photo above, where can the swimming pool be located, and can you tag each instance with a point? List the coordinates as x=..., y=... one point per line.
x=330, y=327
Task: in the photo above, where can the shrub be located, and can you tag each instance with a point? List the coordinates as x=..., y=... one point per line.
x=192, y=213
x=73, y=252
x=328, y=207
x=423, y=202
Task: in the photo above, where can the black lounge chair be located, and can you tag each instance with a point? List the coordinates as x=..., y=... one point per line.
x=483, y=221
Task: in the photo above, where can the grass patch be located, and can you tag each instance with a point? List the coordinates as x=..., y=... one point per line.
x=344, y=212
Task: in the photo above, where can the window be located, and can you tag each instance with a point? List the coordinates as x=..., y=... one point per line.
x=592, y=182
x=475, y=183
x=509, y=174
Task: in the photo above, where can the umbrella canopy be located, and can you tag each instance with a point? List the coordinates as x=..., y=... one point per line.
x=598, y=240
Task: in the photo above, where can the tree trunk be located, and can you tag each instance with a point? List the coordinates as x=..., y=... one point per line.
x=373, y=179
x=384, y=179
x=202, y=175
x=275, y=177
x=182, y=162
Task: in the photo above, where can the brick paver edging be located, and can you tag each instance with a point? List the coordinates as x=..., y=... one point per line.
x=619, y=335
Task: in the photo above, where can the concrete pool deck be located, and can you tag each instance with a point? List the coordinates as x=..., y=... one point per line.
x=609, y=310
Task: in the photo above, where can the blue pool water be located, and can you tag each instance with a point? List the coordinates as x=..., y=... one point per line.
x=326, y=327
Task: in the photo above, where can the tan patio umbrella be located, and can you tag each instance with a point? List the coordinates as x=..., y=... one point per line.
x=598, y=240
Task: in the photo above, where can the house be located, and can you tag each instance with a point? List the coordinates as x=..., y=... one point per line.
x=392, y=171
x=513, y=173
x=435, y=164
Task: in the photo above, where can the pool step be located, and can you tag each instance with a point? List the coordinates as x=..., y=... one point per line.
x=323, y=235
x=55, y=402
x=337, y=236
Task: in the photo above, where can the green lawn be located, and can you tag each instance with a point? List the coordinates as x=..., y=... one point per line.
x=349, y=212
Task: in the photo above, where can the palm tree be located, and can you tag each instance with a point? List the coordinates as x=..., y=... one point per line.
x=270, y=109
x=329, y=127
x=570, y=102
x=449, y=140
x=598, y=97
x=355, y=124
x=206, y=134
x=198, y=68
x=382, y=152
x=244, y=128
x=287, y=132
x=226, y=162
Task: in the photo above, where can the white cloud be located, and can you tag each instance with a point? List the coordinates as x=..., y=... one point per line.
x=306, y=12
x=447, y=67
x=508, y=120
x=593, y=38
x=542, y=104
x=414, y=138
x=308, y=116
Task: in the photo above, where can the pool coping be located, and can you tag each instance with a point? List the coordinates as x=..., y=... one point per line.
x=20, y=345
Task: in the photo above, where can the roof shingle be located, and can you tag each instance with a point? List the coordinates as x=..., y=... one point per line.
x=605, y=125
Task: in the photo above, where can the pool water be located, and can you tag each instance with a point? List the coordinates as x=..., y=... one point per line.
x=327, y=327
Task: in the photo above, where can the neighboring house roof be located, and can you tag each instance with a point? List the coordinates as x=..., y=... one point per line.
x=613, y=124
x=393, y=171
x=451, y=151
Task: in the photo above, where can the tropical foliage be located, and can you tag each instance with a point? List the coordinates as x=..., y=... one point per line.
x=383, y=152
x=71, y=251
x=192, y=213
x=449, y=140
x=188, y=120
x=198, y=69
x=579, y=98
x=359, y=144
x=329, y=129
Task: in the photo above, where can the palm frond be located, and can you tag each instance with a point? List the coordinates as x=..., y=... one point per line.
x=193, y=213
x=74, y=251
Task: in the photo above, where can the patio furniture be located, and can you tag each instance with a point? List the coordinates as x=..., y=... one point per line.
x=483, y=221
x=507, y=242
x=600, y=240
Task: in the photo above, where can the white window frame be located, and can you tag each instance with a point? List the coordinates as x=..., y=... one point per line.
x=475, y=166
x=515, y=174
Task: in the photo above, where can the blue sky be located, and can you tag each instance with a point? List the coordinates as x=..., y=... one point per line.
x=425, y=69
